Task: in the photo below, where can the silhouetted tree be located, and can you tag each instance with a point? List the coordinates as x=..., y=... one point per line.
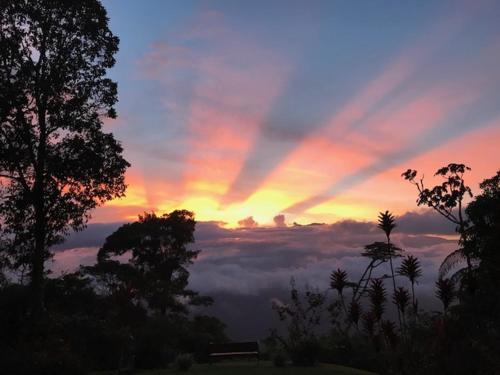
x=159, y=257
x=445, y=291
x=447, y=199
x=411, y=269
x=464, y=339
x=367, y=286
x=387, y=223
x=483, y=236
x=379, y=253
x=120, y=284
x=378, y=296
x=55, y=161
x=479, y=313
x=338, y=282
x=401, y=298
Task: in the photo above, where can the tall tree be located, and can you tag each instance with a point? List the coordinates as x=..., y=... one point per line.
x=483, y=237
x=160, y=256
x=447, y=199
x=411, y=269
x=56, y=163
x=387, y=223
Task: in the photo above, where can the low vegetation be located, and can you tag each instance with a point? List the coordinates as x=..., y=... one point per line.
x=257, y=368
x=459, y=339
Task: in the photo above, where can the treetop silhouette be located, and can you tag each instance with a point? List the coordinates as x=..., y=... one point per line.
x=56, y=161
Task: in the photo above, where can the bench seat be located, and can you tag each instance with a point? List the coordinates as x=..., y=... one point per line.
x=234, y=349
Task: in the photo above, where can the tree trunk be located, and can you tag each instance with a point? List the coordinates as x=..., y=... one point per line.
x=38, y=258
x=393, y=279
x=37, y=271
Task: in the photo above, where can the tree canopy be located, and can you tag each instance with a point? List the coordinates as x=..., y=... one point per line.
x=56, y=162
x=159, y=257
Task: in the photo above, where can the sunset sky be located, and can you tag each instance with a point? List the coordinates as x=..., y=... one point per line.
x=312, y=109
x=260, y=114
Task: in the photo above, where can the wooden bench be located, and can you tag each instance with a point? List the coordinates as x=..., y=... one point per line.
x=234, y=350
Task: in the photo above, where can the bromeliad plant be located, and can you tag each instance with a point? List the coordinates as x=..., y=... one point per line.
x=411, y=269
x=387, y=223
x=347, y=312
x=401, y=298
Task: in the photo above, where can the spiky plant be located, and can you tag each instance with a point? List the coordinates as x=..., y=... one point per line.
x=338, y=280
x=401, y=298
x=445, y=291
x=411, y=269
x=378, y=297
x=387, y=222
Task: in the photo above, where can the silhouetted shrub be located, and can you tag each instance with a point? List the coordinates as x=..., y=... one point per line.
x=305, y=352
x=279, y=359
x=157, y=341
x=184, y=362
x=46, y=362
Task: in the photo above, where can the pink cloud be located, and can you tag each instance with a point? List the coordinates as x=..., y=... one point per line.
x=279, y=221
x=248, y=222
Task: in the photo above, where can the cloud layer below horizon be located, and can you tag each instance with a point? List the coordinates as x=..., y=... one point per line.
x=257, y=263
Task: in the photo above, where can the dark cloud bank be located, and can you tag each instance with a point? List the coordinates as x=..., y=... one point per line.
x=246, y=268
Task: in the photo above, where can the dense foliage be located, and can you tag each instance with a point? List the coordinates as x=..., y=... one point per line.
x=461, y=339
x=156, y=272
x=56, y=165
x=56, y=162
x=107, y=316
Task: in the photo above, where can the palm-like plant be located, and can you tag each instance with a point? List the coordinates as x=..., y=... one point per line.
x=381, y=251
x=401, y=298
x=378, y=296
x=451, y=261
x=445, y=292
x=387, y=222
x=412, y=270
x=338, y=281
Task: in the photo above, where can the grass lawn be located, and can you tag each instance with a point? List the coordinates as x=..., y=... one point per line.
x=254, y=367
